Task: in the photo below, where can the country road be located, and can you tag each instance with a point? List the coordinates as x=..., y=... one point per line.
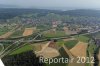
x=2, y=48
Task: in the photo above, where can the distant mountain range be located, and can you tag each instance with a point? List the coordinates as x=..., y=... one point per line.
x=7, y=6
x=83, y=12
x=6, y=12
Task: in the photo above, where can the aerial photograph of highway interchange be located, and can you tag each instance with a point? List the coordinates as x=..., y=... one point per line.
x=27, y=34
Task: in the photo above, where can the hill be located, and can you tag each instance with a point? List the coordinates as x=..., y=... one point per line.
x=7, y=13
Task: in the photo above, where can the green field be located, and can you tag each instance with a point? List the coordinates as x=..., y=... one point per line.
x=60, y=42
x=82, y=38
x=43, y=27
x=57, y=34
x=92, y=48
x=3, y=30
x=70, y=44
x=22, y=49
x=17, y=33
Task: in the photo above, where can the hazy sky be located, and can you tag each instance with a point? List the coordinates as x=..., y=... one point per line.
x=88, y=4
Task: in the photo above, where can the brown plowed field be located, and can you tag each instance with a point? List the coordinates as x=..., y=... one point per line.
x=79, y=49
x=28, y=31
x=47, y=52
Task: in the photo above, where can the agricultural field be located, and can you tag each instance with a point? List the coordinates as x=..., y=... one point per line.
x=29, y=31
x=17, y=33
x=9, y=32
x=79, y=46
x=3, y=30
x=54, y=34
x=62, y=54
x=38, y=46
x=22, y=49
x=6, y=35
x=71, y=43
x=91, y=48
x=43, y=27
x=60, y=43
x=82, y=38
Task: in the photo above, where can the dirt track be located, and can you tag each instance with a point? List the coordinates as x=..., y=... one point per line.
x=68, y=52
x=69, y=39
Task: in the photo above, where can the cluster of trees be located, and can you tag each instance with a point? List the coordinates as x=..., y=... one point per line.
x=23, y=59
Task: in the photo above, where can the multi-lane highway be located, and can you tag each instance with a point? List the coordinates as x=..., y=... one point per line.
x=18, y=42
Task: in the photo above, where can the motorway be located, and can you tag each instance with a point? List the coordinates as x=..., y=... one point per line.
x=39, y=34
x=15, y=44
x=19, y=43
